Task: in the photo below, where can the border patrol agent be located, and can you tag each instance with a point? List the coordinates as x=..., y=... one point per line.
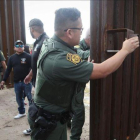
x=2, y=63
x=83, y=49
x=60, y=75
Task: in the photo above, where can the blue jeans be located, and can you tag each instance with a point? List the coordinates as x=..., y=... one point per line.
x=20, y=89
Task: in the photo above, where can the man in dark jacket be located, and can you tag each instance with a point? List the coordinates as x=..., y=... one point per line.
x=37, y=32
x=26, y=49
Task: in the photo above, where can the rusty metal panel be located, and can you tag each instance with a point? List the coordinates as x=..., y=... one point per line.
x=115, y=106
x=136, y=27
x=12, y=26
x=95, y=85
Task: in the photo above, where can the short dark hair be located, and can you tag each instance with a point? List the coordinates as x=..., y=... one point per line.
x=35, y=22
x=37, y=25
x=64, y=17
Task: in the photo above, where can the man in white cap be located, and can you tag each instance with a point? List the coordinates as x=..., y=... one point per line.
x=21, y=63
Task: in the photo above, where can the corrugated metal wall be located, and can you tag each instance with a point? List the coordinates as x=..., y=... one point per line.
x=115, y=100
x=12, y=25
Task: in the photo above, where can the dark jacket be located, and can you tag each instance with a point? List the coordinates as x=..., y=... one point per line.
x=35, y=53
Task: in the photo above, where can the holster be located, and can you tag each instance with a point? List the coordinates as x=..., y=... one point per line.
x=45, y=121
x=45, y=128
x=33, y=111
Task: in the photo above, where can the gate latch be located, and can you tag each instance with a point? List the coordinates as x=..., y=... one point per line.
x=129, y=34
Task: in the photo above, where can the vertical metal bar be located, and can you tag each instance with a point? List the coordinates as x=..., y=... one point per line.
x=95, y=54
x=13, y=21
x=7, y=30
x=10, y=28
x=22, y=23
x=136, y=27
x=3, y=28
x=135, y=79
x=106, y=94
x=0, y=29
x=101, y=19
x=128, y=9
x=117, y=76
x=16, y=19
x=10, y=39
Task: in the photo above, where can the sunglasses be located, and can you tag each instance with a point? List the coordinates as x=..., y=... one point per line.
x=19, y=46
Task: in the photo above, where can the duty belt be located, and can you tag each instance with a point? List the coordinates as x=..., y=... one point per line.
x=62, y=117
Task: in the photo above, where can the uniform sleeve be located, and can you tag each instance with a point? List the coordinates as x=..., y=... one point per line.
x=79, y=71
x=83, y=54
x=2, y=58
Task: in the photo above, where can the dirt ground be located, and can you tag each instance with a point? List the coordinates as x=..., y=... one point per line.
x=11, y=129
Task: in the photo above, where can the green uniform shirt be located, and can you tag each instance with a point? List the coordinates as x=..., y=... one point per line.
x=83, y=50
x=62, y=69
x=2, y=58
x=83, y=45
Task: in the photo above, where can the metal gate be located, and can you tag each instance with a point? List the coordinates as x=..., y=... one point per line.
x=115, y=100
x=12, y=25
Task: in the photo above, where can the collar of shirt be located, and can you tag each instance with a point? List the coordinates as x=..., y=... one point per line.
x=20, y=53
x=84, y=45
x=41, y=36
x=64, y=43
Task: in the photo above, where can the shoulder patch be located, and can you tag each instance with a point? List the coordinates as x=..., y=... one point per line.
x=77, y=46
x=74, y=58
x=2, y=53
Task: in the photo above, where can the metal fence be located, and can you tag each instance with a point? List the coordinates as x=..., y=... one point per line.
x=115, y=100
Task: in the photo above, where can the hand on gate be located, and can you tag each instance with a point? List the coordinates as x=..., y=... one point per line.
x=131, y=44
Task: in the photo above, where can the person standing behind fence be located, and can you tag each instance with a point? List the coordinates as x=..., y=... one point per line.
x=21, y=64
x=78, y=119
x=2, y=63
x=83, y=49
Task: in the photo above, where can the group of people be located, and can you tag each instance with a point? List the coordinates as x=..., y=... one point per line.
x=59, y=69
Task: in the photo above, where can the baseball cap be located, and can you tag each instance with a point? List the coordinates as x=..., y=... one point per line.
x=35, y=22
x=19, y=41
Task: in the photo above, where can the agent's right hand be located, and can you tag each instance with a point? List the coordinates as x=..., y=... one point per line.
x=2, y=85
x=131, y=44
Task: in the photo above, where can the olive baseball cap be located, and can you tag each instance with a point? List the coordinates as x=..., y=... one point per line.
x=35, y=22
